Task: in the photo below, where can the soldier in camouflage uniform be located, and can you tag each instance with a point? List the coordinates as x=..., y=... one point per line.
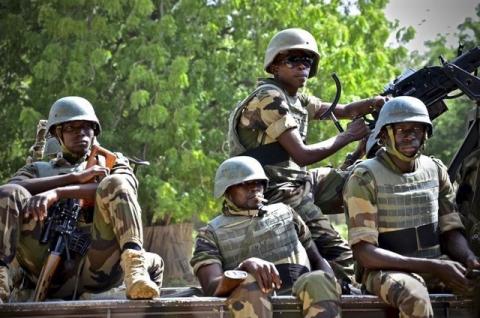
x=404, y=228
x=115, y=253
x=271, y=125
x=270, y=242
x=468, y=198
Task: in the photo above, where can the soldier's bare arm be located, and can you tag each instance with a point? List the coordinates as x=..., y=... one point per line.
x=375, y=258
x=38, y=185
x=317, y=261
x=457, y=248
x=304, y=154
x=37, y=206
x=209, y=277
x=354, y=109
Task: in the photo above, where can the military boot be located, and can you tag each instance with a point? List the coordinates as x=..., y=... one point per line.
x=4, y=285
x=155, y=267
x=136, y=277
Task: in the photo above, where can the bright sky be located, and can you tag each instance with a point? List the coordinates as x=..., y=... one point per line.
x=430, y=17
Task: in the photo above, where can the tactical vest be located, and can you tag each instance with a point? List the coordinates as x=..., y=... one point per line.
x=49, y=169
x=407, y=208
x=271, y=237
x=271, y=154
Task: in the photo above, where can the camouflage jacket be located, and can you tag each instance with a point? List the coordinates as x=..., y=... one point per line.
x=361, y=207
x=268, y=114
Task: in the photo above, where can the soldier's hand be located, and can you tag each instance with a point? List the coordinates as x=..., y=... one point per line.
x=88, y=175
x=377, y=102
x=357, y=129
x=453, y=275
x=472, y=262
x=264, y=272
x=37, y=206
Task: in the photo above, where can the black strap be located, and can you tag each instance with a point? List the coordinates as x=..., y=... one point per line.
x=409, y=240
x=289, y=273
x=268, y=154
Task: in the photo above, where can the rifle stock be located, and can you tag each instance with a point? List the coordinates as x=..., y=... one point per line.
x=230, y=280
x=110, y=159
x=46, y=275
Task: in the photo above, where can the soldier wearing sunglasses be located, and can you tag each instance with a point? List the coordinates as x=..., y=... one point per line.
x=271, y=125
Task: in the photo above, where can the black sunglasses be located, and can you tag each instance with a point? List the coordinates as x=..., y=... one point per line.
x=293, y=61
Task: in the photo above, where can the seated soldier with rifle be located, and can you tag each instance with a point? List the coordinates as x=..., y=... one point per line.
x=270, y=243
x=404, y=228
x=88, y=214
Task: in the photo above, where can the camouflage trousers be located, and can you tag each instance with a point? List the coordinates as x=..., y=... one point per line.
x=406, y=291
x=468, y=198
x=116, y=221
x=324, y=193
x=317, y=290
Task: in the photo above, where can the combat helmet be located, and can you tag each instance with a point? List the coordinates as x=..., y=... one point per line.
x=292, y=39
x=403, y=109
x=400, y=110
x=237, y=170
x=72, y=108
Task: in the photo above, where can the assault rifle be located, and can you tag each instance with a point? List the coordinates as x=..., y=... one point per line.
x=432, y=84
x=60, y=230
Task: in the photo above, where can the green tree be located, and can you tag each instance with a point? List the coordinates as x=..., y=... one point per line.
x=450, y=128
x=164, y=74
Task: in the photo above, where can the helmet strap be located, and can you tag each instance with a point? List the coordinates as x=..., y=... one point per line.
x=392, y=149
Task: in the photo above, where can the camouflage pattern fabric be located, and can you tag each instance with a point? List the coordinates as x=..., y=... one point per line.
x=468, y=198
x=116, y=220
x=318, y=292
x=247, y=300
x=405, y=291
x=266, y=117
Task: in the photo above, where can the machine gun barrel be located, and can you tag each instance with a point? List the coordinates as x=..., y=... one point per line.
x=432, y=84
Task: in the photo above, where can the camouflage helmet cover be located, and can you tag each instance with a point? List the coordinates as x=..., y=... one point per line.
x=237, y=170
x=72, y=108
x=403, y=109
x=292, y=39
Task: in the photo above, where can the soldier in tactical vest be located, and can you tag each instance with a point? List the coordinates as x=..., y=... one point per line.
x=270, y=242
x=115, y=254
x=271, y=125
x=404, y=228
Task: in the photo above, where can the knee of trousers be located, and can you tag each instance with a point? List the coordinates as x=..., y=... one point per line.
x=407, y=291
x=113, y=184
x=318, y=285
x=14, y=192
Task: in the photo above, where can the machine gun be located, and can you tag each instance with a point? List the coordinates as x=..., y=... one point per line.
x=60, y=230
x=432, y=84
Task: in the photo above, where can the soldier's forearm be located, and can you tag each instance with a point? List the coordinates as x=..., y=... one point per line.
x=78, y=191
x=457, y=247
x=38, y=185
x=375, y=258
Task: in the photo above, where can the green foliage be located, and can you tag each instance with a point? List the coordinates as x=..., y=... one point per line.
x=450, y=128
x=164, y=74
